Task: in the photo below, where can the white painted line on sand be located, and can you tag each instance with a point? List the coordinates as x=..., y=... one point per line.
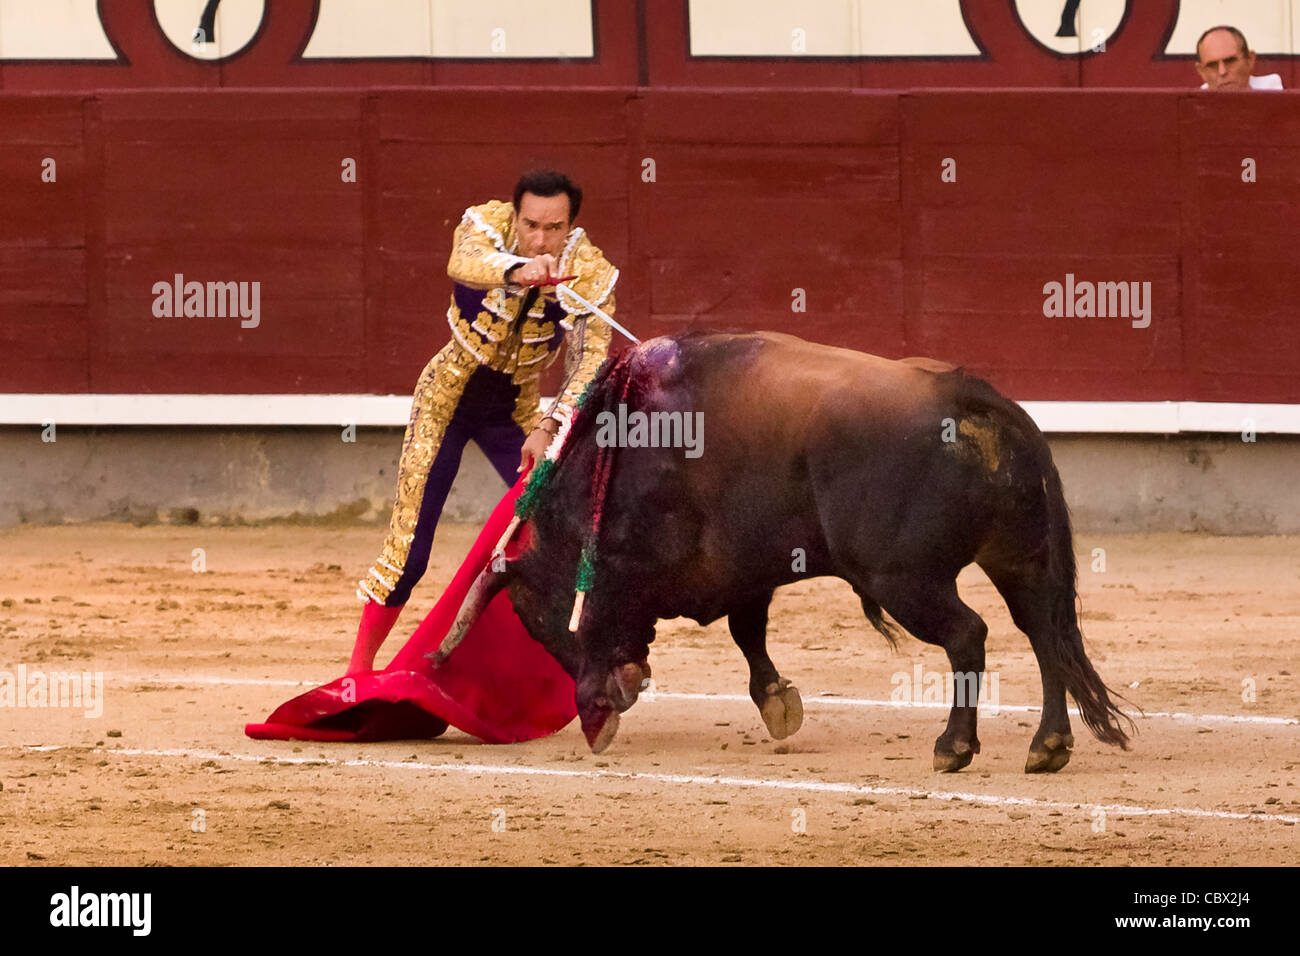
x=830, y=700
x=988, y=709
x=800, y=786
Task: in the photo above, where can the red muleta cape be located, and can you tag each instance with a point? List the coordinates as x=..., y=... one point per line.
x=499, y=685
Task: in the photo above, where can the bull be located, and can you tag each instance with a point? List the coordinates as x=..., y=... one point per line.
x=892, y=475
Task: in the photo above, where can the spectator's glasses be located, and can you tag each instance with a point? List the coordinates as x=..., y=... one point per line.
x=1228, y=62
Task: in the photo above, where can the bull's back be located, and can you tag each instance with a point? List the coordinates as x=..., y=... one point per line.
x=820, y=441
x=795, y=437
x=768, y=386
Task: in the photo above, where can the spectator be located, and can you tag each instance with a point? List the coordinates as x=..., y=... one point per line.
x=1225, y=61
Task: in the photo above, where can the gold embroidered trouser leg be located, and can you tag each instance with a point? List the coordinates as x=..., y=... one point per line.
x=437, y=393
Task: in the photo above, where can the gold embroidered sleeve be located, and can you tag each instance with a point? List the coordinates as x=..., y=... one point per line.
x=478, y=251
x=587, y=345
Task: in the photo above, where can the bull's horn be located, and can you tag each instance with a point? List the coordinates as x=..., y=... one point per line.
x=485, y=587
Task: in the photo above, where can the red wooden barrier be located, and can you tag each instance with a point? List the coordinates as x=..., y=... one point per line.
x=755, y=196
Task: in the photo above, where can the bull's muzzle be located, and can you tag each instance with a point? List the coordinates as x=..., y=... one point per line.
x=600, y=701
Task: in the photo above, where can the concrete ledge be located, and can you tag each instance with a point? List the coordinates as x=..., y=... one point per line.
x=217, y=475
x=1200, y=482
x=1206, y=483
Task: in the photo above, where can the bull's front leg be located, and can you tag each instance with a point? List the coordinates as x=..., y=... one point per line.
x=775, y=697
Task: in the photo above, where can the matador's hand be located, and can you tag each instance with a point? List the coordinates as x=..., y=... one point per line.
x=534, y=448
x=536, y=269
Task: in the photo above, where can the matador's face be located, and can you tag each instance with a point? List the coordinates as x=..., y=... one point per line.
x=542, y=224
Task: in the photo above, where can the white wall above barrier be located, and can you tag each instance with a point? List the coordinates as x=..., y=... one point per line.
x=1133, y=418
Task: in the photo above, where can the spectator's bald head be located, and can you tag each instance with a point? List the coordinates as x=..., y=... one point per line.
x=1224, y=60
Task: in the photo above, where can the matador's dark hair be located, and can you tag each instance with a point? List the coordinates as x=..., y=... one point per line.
x=548, y=182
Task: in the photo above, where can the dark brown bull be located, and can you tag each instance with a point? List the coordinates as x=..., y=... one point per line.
x=891, y=475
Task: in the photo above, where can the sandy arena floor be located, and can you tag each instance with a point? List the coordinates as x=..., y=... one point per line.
x=166, y=775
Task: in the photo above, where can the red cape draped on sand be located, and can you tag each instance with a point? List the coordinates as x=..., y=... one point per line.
x=499, y=685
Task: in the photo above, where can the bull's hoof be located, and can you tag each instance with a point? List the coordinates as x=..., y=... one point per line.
x=951, y=757
x=600, y=730
x=1050, y=755
x=951, y=763
x=782, y=709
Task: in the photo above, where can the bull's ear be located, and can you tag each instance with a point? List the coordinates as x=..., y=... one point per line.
x=485, y=587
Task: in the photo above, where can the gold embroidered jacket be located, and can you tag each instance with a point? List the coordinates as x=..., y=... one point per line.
x=483, y=311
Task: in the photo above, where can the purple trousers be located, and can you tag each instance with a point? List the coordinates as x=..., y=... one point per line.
x=484, y=416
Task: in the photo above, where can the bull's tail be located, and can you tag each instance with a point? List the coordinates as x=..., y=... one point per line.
x=1099, y=712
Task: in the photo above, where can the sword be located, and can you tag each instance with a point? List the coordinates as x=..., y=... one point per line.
x=561, y=286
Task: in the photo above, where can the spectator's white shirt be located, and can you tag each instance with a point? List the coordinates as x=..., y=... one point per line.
x=1273, y=81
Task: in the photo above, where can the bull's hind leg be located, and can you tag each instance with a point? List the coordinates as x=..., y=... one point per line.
x=1030, y=605
x=777, y=699
x=932, y=612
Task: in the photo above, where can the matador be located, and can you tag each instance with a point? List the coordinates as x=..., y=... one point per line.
x=507, y=324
